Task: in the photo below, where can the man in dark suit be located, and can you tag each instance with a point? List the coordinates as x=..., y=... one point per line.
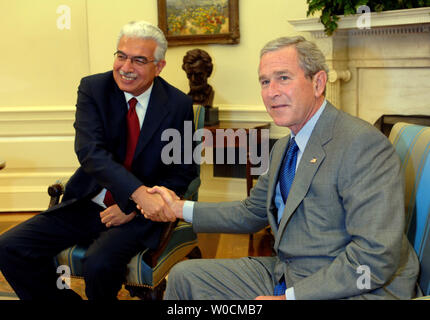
x=120, y=117
x=333, y=196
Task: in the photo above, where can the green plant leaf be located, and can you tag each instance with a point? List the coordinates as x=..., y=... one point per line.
x=331, y=9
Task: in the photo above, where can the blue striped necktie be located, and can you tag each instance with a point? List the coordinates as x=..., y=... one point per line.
x=286, y=178
x=288, y=170
x=280, y=288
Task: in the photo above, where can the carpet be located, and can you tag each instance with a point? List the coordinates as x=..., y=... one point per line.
x=6, y=292
x=77, y=285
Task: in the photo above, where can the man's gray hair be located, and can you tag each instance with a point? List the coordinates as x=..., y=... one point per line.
x=145, y=30
x=311, y=59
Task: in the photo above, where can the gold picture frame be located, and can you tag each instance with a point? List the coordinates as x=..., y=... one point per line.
x=186, y=22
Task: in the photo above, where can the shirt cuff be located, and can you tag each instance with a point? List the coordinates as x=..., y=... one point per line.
x=187, y=211
x=289, y=294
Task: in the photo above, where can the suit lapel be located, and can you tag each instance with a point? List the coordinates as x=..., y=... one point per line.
x=156, y=112
x=117, y=115
x=310, y=162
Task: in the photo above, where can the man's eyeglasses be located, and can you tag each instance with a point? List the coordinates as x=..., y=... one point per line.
x=137, y=61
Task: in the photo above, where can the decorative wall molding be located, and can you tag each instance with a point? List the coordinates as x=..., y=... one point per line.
x=394, y=30
x=37, y=144
x=36, y=121
x=374, y=31
x=377, y=19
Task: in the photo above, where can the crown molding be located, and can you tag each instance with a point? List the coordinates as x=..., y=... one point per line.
x=405, y=17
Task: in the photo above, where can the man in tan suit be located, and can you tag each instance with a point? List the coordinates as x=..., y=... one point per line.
x=339, y=231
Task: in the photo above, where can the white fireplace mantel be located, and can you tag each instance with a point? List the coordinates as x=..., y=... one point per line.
x=384, y=69
x=377, y=19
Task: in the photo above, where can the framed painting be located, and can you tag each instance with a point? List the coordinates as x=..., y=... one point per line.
x=199, y=21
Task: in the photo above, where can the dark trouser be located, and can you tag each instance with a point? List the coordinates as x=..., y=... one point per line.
x=27, y=252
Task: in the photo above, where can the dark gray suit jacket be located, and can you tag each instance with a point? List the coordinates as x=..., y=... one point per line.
x=100, y=144
x=345, y=210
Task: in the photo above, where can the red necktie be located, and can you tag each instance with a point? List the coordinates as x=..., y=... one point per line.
x=133, y=130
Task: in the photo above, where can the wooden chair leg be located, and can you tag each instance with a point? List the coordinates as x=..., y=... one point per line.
x=251, y=250
x=195, y=254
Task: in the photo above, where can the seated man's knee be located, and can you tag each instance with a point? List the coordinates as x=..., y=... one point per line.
x=181, y=279
x=181, y=268
x=182, y=271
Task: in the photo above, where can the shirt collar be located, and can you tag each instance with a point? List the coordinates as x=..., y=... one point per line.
x=304, y=134
x=142, y=98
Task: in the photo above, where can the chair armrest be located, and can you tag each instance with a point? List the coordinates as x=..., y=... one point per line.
x=55, y=191
x=192, y=190
x=151, y=256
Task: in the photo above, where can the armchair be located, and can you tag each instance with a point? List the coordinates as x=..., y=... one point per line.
x=412, y=143
x=147, y=270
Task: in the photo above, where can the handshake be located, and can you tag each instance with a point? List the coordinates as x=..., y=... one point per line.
x=156, y=204
x=159, y=204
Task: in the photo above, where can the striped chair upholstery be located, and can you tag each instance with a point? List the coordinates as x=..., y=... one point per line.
x=412, y=143
x=142, y=270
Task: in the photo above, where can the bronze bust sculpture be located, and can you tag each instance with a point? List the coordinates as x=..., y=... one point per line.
x=198, y=65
